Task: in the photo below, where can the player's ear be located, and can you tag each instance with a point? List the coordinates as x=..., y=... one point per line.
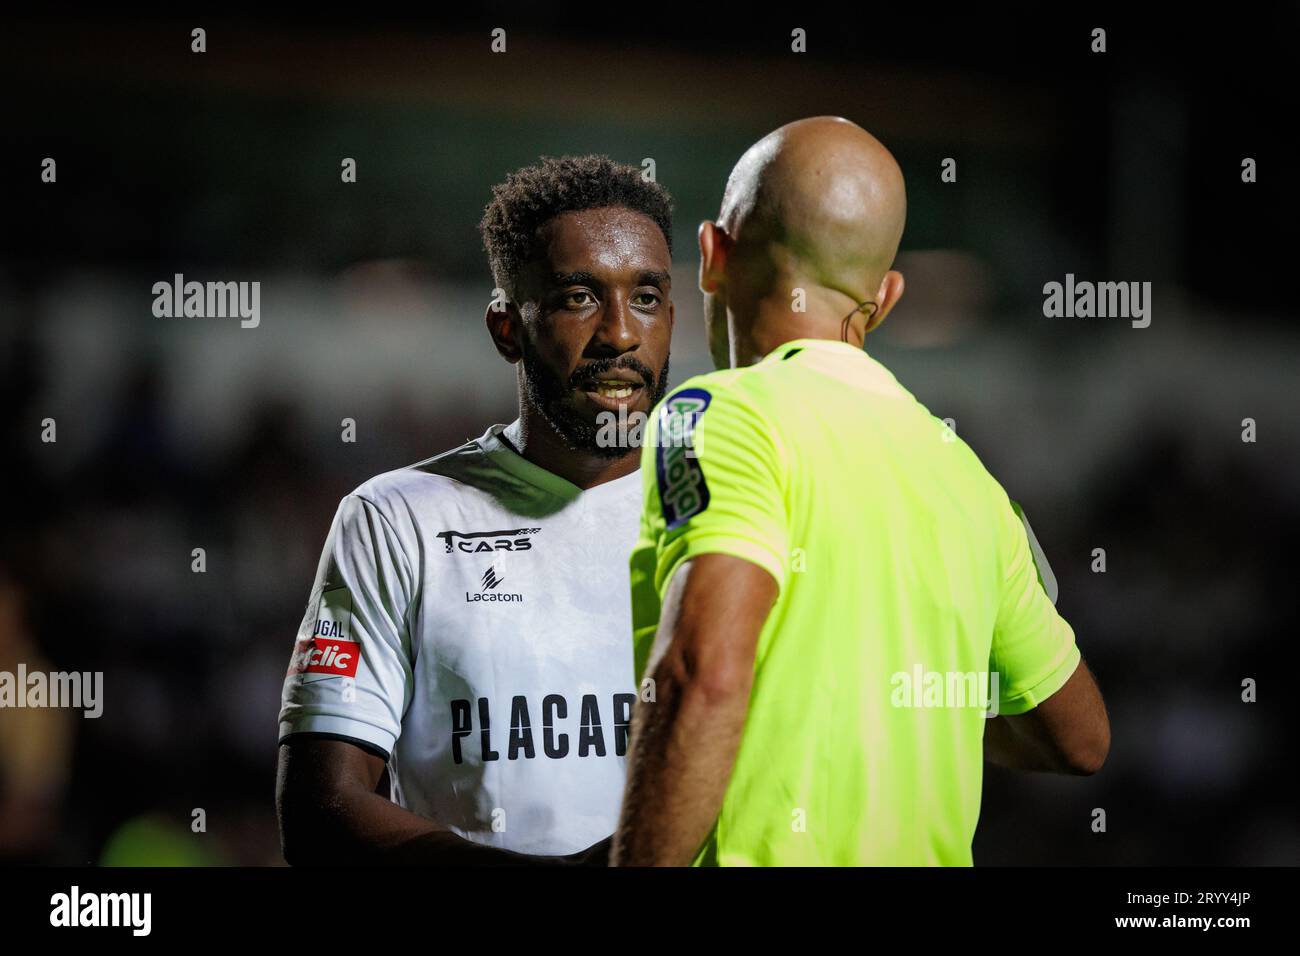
x=890, y=291
x=715, y=244
x=505, y=325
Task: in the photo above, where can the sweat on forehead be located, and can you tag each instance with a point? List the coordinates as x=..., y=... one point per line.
x=595, y=248
x=610, y=236
x=532, y=196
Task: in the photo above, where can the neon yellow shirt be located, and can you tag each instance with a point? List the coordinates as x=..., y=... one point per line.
x=906, y=579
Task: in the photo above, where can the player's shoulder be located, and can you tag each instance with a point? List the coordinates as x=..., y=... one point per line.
x=393, y=493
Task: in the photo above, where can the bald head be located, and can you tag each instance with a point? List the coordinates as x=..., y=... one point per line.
x=821, y=198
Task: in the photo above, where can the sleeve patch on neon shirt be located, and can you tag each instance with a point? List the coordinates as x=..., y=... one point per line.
x=1045, y=576
x=682, y=490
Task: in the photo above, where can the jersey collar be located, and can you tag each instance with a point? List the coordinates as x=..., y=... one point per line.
x=779, y=353
x=510, y=460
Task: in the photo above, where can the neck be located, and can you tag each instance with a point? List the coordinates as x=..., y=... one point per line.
x=773, y=324
x=537, y=442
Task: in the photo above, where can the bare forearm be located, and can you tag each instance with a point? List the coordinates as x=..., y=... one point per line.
x=330, y=813
x=1006, y=747
x=371, y=828
x=684, y=744
x=360, y=827
x=684, y=749
x=1067, y=733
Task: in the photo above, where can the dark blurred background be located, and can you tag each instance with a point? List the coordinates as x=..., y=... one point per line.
x=178, y=433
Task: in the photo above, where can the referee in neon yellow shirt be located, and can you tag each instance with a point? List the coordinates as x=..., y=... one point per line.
x=830, y=593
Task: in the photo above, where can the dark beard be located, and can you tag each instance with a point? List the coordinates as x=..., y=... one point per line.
x=547, y=392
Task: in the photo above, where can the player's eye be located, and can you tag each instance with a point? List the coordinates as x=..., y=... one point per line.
x=646, y=300
x=579, y=299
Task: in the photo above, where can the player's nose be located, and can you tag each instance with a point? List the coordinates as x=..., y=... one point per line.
x=619, y=330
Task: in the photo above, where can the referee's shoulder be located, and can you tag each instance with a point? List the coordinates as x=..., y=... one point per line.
x=731, y=394
x=725, y=383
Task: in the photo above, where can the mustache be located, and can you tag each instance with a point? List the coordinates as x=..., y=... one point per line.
x=588, y=373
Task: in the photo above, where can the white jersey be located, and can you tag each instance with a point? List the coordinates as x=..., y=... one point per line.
x=471, y=623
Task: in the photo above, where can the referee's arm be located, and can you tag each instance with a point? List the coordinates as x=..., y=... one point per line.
x=1068, y=733
x=684, y=746
x=1053, y=718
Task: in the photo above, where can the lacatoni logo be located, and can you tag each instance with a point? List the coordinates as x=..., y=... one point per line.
x=208, y=300
x=75, y=908
x=491, y=582
x=473, y=542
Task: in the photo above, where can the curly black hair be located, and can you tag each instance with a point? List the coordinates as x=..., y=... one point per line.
x=535, y=194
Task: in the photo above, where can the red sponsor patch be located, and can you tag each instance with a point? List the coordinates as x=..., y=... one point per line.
x=323, y=655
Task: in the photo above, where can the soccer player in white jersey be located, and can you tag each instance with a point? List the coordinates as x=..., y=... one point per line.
x=468, y=633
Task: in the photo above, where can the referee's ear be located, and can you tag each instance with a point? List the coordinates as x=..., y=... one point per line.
x=504, y=324
x=715, y=245
x=890, y=291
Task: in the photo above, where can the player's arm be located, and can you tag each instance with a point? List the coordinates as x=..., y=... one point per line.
x=684, y=744
x=1067, y=733
x=330, y=813
x=1052, y=717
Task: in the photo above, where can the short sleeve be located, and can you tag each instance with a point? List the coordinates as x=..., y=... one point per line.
x=350, y=674
x=718, y=484
x=1034, y=650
